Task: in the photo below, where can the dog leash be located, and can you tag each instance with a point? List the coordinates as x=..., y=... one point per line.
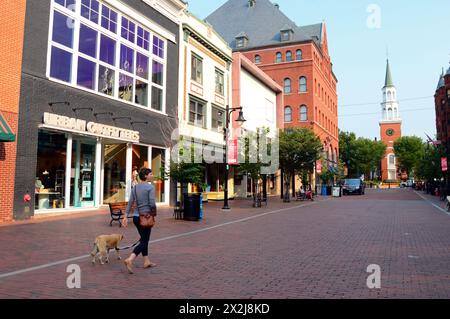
x=128, y=247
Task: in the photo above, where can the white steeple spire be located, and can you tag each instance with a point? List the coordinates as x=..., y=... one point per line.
x=390, y=107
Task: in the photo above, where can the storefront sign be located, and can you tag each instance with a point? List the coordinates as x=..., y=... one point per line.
x=82, y=126
x=444, y=164
x=232, y=152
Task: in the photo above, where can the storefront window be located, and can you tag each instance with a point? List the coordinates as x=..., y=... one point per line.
x=50, y=170
x=115, y=164
x=82, y=176
x=140, y=159
x=158, y=162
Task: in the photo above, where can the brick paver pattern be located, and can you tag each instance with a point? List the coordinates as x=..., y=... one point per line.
x=319, y=250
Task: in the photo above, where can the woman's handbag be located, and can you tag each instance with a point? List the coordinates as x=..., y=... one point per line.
x=147, y=219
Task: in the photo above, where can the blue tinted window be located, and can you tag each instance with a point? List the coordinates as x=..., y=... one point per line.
x=90, y=10
x=61, y=64
x=128, y=30
x=109, y=19
x=126, y=58
x=88, y=41
x=63, y=29
x=86, y=73
x=107, y=50
x=69, y=4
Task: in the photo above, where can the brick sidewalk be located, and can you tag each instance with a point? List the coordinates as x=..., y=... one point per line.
x=319, y=250
x=48, y=239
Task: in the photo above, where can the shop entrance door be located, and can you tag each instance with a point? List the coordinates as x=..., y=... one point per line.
x=82, y=181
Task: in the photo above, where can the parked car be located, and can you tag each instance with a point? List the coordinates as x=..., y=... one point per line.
x=353, y=186
x=403, y=184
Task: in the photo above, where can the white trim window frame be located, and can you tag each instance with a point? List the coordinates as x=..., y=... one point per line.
x=220, y=82
x=75, y=20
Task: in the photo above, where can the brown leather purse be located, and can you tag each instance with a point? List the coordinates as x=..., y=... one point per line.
x=147, y=219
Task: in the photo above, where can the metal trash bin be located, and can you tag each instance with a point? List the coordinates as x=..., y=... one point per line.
x=191, y=207
x=336, y=191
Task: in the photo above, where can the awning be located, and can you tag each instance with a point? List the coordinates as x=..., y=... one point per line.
x=6, y=134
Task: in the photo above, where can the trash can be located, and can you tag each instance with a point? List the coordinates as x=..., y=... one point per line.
x=324, y=190
x=329, y=190
x=336, y=191
x=192, y=207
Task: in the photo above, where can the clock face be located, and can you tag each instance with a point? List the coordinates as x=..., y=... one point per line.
x=390, y=132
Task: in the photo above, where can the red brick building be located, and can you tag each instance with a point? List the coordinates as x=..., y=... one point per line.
x=297, y=58
x=390, y=128
x=12, y=15
x=442, y=102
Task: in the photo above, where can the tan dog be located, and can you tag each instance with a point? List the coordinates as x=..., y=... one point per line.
x=103, y=244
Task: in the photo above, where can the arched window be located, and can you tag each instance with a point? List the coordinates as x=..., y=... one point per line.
x=288, y=56
x=389, y=95
x=288, y=114
x=257, y=59
x=287, y=86
x=298, y=55
x=303, y=84
x=279, y=57
x=303, y=113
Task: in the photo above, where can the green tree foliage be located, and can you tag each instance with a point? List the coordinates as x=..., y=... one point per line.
x=299, y=149
x=361, y=155
x=408, y=151
x=429, y=165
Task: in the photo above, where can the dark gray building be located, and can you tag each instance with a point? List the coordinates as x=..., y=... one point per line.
x=99, y=96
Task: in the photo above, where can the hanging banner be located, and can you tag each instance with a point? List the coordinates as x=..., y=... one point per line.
x=232, y=152
x=319, y=167
x=444, y=164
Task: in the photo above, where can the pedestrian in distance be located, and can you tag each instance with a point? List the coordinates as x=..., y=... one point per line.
x=142, y=200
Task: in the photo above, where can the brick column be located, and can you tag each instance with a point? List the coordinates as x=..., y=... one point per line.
x=12, y=16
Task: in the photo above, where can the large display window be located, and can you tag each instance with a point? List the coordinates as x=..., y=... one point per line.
x=158, y=162
x=115, y=166
x=82, y=176
x=50, y=170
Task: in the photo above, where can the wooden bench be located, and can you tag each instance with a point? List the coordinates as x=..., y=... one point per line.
x=117, y=211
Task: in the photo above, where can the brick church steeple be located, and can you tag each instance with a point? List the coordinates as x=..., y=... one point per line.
x=390, y=127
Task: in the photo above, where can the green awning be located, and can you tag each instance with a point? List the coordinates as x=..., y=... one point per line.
x=6, y=134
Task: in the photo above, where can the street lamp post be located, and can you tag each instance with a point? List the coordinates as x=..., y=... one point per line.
x=240, y=120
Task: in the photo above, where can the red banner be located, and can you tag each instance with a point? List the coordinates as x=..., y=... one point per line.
x=319, y=167
x=444, y=164
x=232, y=152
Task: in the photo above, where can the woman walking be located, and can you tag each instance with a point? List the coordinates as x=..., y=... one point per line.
x=143, y=194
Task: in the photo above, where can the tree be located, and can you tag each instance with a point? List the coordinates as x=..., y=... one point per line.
x=408, y=151
x=184, y=170
x=300, y=148
x=347, y=151
x=368, y=155
x=361, y=155
x=252, y=154
x=429, y=166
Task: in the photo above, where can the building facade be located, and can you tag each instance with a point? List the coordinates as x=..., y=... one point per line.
x=390, y=128
x=261, y=99
x=205, y=70
x=442, y=102
x=99, y=87
x=297, y=58
x=12, y=14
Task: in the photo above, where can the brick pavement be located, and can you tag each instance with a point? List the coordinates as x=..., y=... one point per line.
x=317, y=251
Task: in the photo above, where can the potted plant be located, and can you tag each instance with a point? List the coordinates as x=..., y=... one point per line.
x=204, y=187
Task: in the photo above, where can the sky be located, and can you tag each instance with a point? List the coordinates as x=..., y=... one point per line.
x=414, y=34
